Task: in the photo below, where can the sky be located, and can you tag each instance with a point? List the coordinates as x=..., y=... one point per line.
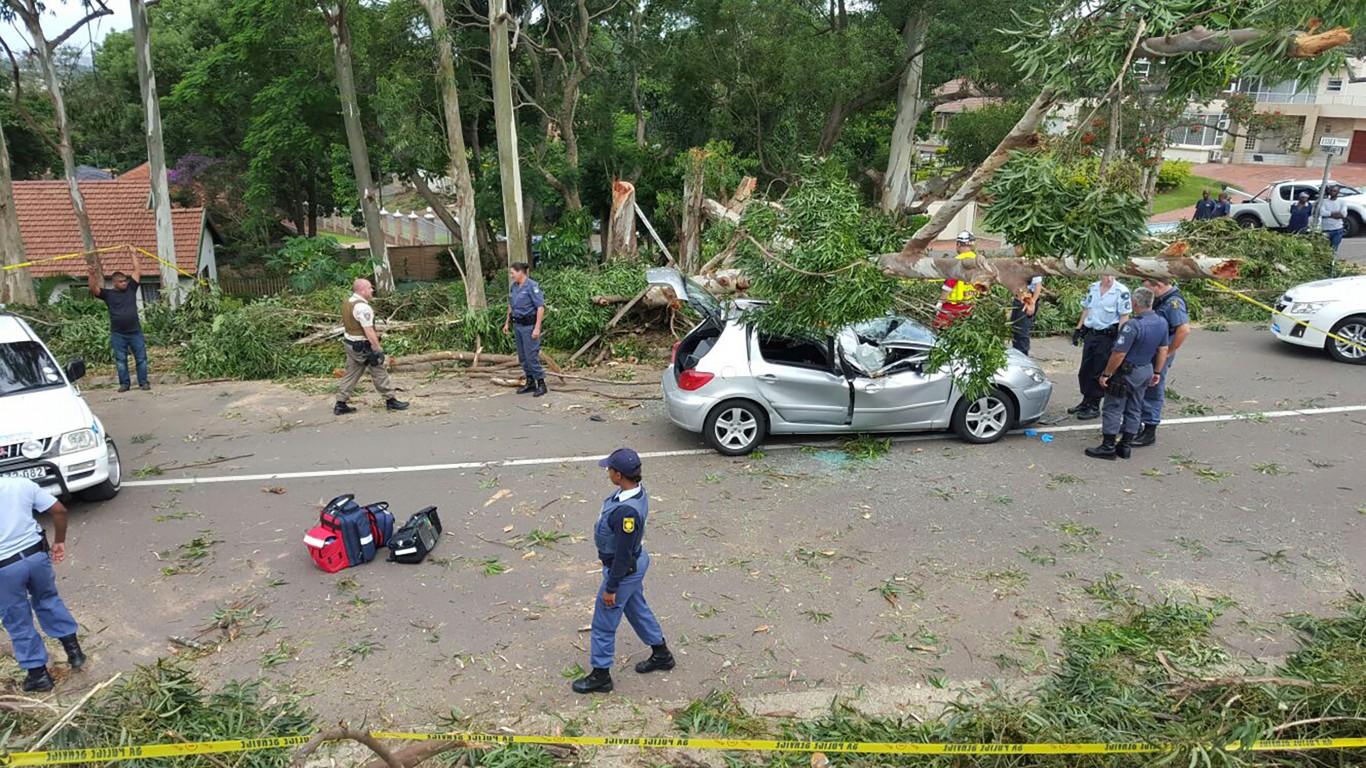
x=61, y=15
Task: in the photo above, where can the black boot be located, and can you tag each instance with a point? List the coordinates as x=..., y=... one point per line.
x=540, y=388
x=1122, y=447
x=394, y=404
x=1147, y=437
x=1082, y=406
x=38, y=680
x=341, y=409
x=598, y=681
x=1106, y=449
x=75, y=657
x=528, y=387
x=660, y=658
x=1088, y=410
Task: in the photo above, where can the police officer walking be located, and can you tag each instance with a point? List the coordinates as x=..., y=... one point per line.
x=1106, y=306
x=28, y=584
x=526, y=310
x=363, y=351
x=618, y=534
x=1140, y=347
x=1170, y=305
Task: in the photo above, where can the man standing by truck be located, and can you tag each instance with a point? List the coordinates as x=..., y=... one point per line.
x=1332, y=217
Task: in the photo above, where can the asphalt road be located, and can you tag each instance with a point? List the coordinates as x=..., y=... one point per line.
x=798, y=574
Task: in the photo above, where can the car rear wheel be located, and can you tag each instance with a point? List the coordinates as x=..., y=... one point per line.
x=986, y=419
x=1352, y=226
x=1352, y=329
x=1249, y=221
x=735, y=427
x=110, y=487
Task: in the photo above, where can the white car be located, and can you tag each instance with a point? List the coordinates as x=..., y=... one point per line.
x=1337, y=306
x=47, y=432
x=1270, y=208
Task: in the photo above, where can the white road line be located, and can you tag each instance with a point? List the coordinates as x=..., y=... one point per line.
x=582, y=459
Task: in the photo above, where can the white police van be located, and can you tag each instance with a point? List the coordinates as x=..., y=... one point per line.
x=47, y=432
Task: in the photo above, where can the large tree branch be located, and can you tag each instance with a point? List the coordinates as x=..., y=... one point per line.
x=342, y=731
x=98, y=9
x=1200, y=39
x=1022, y=135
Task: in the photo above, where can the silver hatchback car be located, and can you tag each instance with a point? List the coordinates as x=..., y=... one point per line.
x=735, y=385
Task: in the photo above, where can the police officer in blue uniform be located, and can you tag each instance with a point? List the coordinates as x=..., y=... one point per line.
x=526, y=310
x=28, y=584
x=1170, y=305
x=1107, y=305
x=618, y=535
x=1140, y=348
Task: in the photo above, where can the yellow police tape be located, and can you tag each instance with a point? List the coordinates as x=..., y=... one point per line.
x=82, y=254
x=108, y=754
x=1275, y=311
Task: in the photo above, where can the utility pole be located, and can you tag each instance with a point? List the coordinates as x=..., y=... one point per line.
x=509, y=163
x=156, y=154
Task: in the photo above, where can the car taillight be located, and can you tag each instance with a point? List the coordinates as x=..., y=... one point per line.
x=693, y=379
x=673, y=356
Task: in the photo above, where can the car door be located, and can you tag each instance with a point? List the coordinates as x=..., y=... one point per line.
x=799, y=379
x=903, y=396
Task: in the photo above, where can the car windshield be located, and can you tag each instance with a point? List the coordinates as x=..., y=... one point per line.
x=874, y=345
x=25, y=366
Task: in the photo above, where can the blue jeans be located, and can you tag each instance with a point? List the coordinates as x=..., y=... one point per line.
x=122, y=342
x=26, y=587
x=631, y=604
x=1156, y=397
x=1334, y=238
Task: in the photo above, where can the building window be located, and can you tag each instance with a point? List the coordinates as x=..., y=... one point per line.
x=151, y=292
x=1286, y=92
x=1198, y=129
x=1250, y=143
x=1334, y=84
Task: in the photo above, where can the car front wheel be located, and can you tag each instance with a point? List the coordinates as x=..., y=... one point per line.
x=1249, y=221
x=986, y=419
x=735, y=427
x=110, y=487
x=1351, y=329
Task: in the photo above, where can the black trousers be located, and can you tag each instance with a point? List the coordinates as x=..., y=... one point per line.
x=1095, y=354
x=1022, y=325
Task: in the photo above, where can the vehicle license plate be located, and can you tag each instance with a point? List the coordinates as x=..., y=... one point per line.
x=31, y=473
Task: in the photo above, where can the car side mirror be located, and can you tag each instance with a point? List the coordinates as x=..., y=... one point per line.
x=75, y=369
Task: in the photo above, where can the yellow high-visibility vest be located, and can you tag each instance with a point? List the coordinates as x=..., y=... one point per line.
x=962, y=291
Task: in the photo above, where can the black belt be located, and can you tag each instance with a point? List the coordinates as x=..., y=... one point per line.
x=1111, y=331
x=525, y=320
x=23, y=553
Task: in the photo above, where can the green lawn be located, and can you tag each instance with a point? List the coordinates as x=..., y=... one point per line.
x=1186, y=194
x=343, y=239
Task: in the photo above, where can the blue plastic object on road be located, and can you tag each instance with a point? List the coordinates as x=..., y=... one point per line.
x=1031, y=433
x=1046, y=438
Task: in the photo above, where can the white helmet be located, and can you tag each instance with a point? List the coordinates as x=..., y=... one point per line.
x=966, y=237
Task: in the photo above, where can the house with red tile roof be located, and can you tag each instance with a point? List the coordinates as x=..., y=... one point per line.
x=120, y=213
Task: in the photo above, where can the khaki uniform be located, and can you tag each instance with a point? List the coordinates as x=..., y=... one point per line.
x=356, y=317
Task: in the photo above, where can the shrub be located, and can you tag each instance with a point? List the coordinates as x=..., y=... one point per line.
x=566, y=245
x=1173, y=174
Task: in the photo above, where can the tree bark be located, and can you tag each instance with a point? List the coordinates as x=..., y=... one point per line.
x=898, y=191
x=505, y=118
x=621, y=232
x=690, y=247
x=1202, y=40
x=156, y=154
x=30, y=12
x=459, y=167
x=16, y=285
x=335, y=15
x=1021, y=135
x=1014, y=273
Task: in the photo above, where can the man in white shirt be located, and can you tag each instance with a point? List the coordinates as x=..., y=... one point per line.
x=28, y=584
x=1332, y=216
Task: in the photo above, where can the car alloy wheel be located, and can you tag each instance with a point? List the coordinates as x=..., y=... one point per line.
x=986, y=419
x=735, y=427
x=1352, y=329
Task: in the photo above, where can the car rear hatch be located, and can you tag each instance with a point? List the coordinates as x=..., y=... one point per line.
x=699, y=341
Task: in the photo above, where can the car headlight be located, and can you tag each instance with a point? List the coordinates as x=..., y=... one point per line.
x=79, y=440
x=1307, y=307
x=1036, y=375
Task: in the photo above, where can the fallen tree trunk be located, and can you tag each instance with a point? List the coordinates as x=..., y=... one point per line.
x=1004, y=268
x=459, y=356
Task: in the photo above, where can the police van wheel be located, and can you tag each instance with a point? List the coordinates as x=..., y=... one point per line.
x=735, y=427
x=110, y=487
x=986, y=419
x=1353, y=329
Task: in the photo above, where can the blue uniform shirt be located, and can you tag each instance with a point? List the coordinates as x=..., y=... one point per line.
x=620, y=528
x=1104, y=311
x=1140, y=338
x=19, y=499
x=1171, y=306
x=525, y=298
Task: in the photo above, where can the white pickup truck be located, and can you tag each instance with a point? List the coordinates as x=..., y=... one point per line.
x=1271, y=207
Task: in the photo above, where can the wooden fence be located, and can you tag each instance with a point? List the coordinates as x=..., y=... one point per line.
x=252, y=286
